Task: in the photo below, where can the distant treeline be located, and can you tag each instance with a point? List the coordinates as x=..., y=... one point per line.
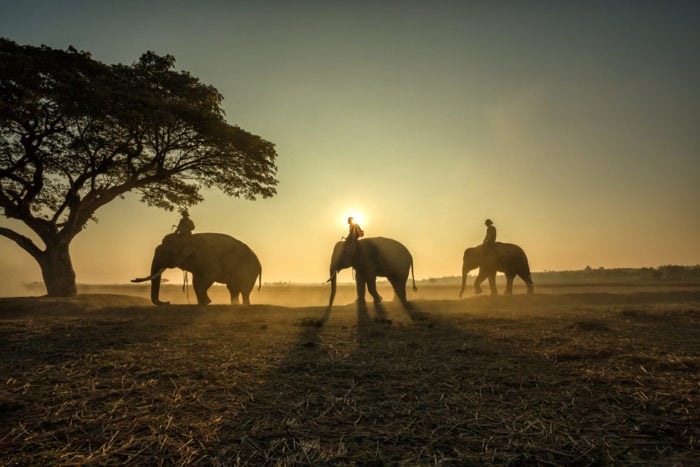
x=669, y=273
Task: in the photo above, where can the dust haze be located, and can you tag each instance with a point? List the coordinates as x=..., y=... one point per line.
x=286, y=295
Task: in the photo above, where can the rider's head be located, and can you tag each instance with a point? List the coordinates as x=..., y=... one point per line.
x=350, y=219
x=488, y=222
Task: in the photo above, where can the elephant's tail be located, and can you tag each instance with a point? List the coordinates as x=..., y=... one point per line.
x=464, y=279
x=260, y=280
x=415, y=289
x=526, y=275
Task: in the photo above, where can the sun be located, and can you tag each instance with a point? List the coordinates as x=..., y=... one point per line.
x=358, y=218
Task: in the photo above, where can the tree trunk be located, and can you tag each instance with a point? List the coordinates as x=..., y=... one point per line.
x=57, y=270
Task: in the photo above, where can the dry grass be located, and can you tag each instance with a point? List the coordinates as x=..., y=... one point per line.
x=587, y=378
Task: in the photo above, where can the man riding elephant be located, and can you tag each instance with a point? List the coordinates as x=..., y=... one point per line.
x=185, y=226
x=354, y=231
x=491, y=257
x=490, y=238
x=354, y=234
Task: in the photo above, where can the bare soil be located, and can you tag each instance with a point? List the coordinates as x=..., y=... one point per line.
x=576, y=377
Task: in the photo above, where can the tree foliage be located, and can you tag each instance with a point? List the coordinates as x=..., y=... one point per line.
x=76, y=133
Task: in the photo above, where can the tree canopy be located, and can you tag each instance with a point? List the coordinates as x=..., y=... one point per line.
x=76, y=133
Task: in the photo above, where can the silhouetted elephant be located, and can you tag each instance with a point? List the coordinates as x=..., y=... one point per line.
x=210, y=257
x=372, y=257
x=504, y=257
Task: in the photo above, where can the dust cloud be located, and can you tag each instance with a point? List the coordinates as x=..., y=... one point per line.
x=286, y=295
x=10, y=288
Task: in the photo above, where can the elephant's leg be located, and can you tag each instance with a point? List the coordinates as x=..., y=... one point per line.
x=234, y=290
x=246, y=297
x=527, y=278
x=360, y=284
x=477, y=282
x=372, y=287
x=399, y=289
x=509, y=284
x=492, y=284
x=201, y=285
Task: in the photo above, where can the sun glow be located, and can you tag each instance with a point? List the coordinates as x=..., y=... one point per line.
x=358, y=218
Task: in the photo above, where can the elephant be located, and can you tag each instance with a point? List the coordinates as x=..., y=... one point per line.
x=505, y=257
x=372, y=257
x=210, y=257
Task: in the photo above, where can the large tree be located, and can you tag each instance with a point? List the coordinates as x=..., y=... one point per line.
x=76, y=133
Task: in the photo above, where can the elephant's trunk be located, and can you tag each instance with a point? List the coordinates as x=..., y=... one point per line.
x=465, y=271
x=335, y=266
x=155, y=285
x=332, y=280
x=155, y=292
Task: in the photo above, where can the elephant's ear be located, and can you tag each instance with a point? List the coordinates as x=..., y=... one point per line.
x=188, y=248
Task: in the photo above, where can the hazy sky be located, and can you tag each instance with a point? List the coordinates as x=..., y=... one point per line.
x=573, y=125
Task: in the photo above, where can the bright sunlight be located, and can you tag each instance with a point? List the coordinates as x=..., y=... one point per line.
x=358, y=218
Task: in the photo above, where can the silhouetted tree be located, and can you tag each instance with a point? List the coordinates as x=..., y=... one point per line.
x=76, y=133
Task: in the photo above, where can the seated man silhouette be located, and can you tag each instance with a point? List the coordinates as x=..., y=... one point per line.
x=489, y=256
x=185, y=226
x=490, y=238
x=354, y=233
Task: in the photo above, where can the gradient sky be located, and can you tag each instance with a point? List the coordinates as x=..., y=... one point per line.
x=573, y=125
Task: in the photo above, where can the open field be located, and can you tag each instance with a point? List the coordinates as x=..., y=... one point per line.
x=571, y=375
x=297, y=295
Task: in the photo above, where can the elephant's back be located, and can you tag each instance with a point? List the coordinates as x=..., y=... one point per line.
x=387, y=244
x=510, y=246
x=215, y=237
x=515, y=251
x=391, y=249
x=225, y=244
x=220, y=240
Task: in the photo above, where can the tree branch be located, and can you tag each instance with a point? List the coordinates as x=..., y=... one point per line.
x=26, y=243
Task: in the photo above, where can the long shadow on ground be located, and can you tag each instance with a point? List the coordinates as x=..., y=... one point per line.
x=509, y=380
x=418, y=386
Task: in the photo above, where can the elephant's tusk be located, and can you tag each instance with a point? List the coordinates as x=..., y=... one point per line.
x=149, y=278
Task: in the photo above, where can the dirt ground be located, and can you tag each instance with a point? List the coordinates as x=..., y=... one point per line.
x=575, y=376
